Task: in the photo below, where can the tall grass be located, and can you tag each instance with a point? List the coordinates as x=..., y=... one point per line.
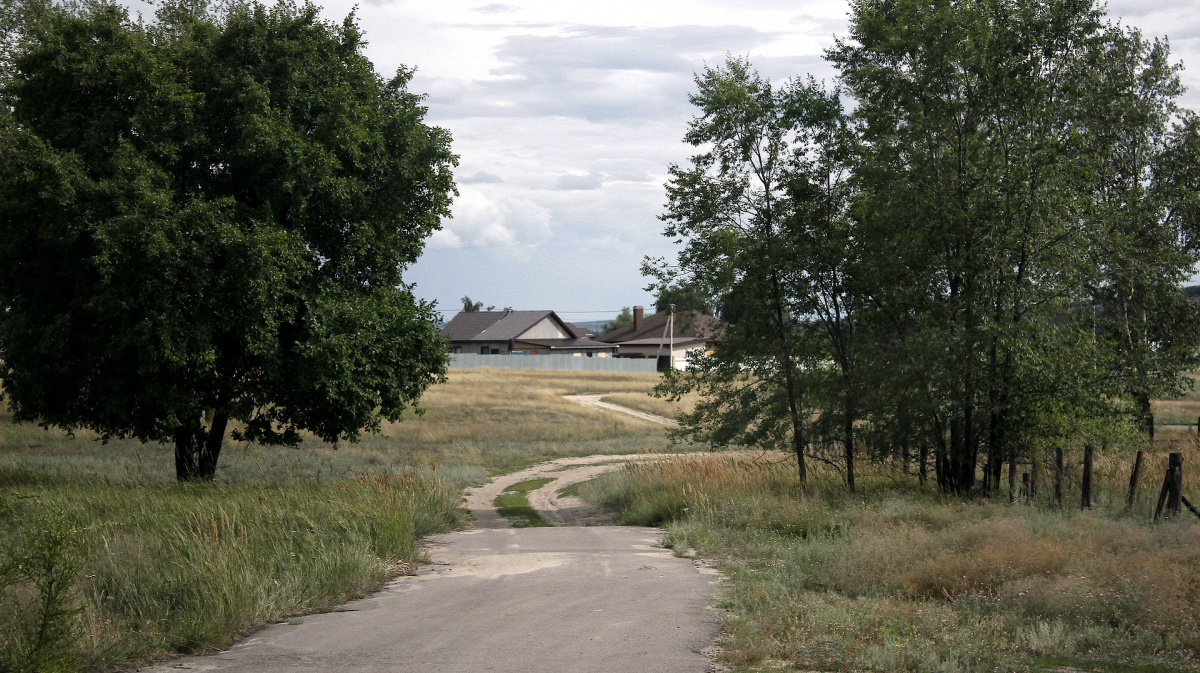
x=897, y=578
x=150, y=567
x=185, y=568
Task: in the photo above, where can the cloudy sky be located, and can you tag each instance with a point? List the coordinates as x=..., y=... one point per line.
x=566, y=115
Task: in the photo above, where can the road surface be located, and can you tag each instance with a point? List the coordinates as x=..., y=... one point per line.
x=564, y=599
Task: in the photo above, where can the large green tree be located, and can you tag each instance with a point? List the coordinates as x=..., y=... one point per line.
x=760, y=213
x=1005, y=146
x=205, y=219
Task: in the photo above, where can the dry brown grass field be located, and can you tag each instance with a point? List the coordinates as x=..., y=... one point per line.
x=654, y=405
x=480, y=422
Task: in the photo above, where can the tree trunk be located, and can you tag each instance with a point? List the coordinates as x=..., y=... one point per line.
x=185, y=454
x=210, y=449
x=1147, y=415
x=849, y=432
x=1012, y=473
x=922, y=469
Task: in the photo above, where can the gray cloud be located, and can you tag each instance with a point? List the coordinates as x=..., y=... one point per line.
x=596, y=73
x=579, y=182
x=496, y=8
x=480, y=177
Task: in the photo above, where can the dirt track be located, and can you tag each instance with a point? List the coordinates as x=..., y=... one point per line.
x=595, y=401
x=574, y=598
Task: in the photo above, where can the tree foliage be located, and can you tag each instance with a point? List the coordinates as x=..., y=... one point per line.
x=999, y=228
x=625, y=317
x=205, y=219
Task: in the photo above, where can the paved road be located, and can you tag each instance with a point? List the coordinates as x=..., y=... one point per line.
x=530, y=600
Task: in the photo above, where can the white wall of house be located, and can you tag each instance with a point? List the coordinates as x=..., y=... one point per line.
x=477, y=347
x=545, y=329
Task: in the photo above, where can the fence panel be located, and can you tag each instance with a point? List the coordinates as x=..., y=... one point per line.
x=582, y=364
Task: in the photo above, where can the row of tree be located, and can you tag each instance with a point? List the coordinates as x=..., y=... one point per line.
x=983, y=256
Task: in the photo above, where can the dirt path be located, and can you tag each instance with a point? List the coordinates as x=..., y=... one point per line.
x=553, y=508
x=594, y=401
x=578, y=597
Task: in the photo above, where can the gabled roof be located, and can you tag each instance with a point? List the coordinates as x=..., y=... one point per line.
x=688, y=325
x=579, y=332
x=495, y=325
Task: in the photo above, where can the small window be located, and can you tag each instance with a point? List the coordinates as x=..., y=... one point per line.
x=495, y=351
x=484, y=350
x=457, y=349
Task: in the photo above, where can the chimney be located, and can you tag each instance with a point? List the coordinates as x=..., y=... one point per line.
x=637, y=317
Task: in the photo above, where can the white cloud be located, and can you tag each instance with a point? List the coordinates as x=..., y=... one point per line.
x=571, y=181
x=484, y=221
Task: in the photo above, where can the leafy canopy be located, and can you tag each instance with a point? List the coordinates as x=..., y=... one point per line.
x=213, y=212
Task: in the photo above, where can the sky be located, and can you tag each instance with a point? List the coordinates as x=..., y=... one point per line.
x=566, y=116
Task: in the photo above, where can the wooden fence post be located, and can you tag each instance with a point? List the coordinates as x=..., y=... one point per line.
x=1058, y=475
x=1086, y=490
x=1190, y=506
x=1133, y=480
x=1162, y=494
x=1175, y=474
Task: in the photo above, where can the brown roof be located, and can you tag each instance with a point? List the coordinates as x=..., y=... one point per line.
x=690, y=324
x=493, y=325
x=579, y=332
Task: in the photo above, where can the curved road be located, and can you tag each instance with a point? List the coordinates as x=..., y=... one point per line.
x=565, y=599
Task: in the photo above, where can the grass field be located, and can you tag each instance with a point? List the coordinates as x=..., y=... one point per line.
x=650, y=404
x=136, y=566
x=898, y=578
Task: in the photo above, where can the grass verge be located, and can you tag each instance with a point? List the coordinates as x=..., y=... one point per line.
x=513, y=504
x=897, y=578
x=154, y=570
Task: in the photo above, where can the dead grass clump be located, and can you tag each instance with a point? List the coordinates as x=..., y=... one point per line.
x=981, y=557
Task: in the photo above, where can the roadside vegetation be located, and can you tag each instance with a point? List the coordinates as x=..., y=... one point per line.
x=105, y=560
x=896, y=577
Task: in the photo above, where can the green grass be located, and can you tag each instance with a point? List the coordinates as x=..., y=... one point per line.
x=513, y=504
x=157, y=568
x=166, y=568
x=570, y=491
x=897, y=578
x=530, y=485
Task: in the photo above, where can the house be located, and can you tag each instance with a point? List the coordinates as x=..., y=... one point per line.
x=520, y=333
x=670, y=341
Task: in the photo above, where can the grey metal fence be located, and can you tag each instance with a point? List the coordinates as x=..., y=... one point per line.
x=582, y=364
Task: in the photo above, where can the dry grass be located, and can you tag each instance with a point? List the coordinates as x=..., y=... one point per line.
x=654, y=405
x=481, y=422
x=896, y=578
